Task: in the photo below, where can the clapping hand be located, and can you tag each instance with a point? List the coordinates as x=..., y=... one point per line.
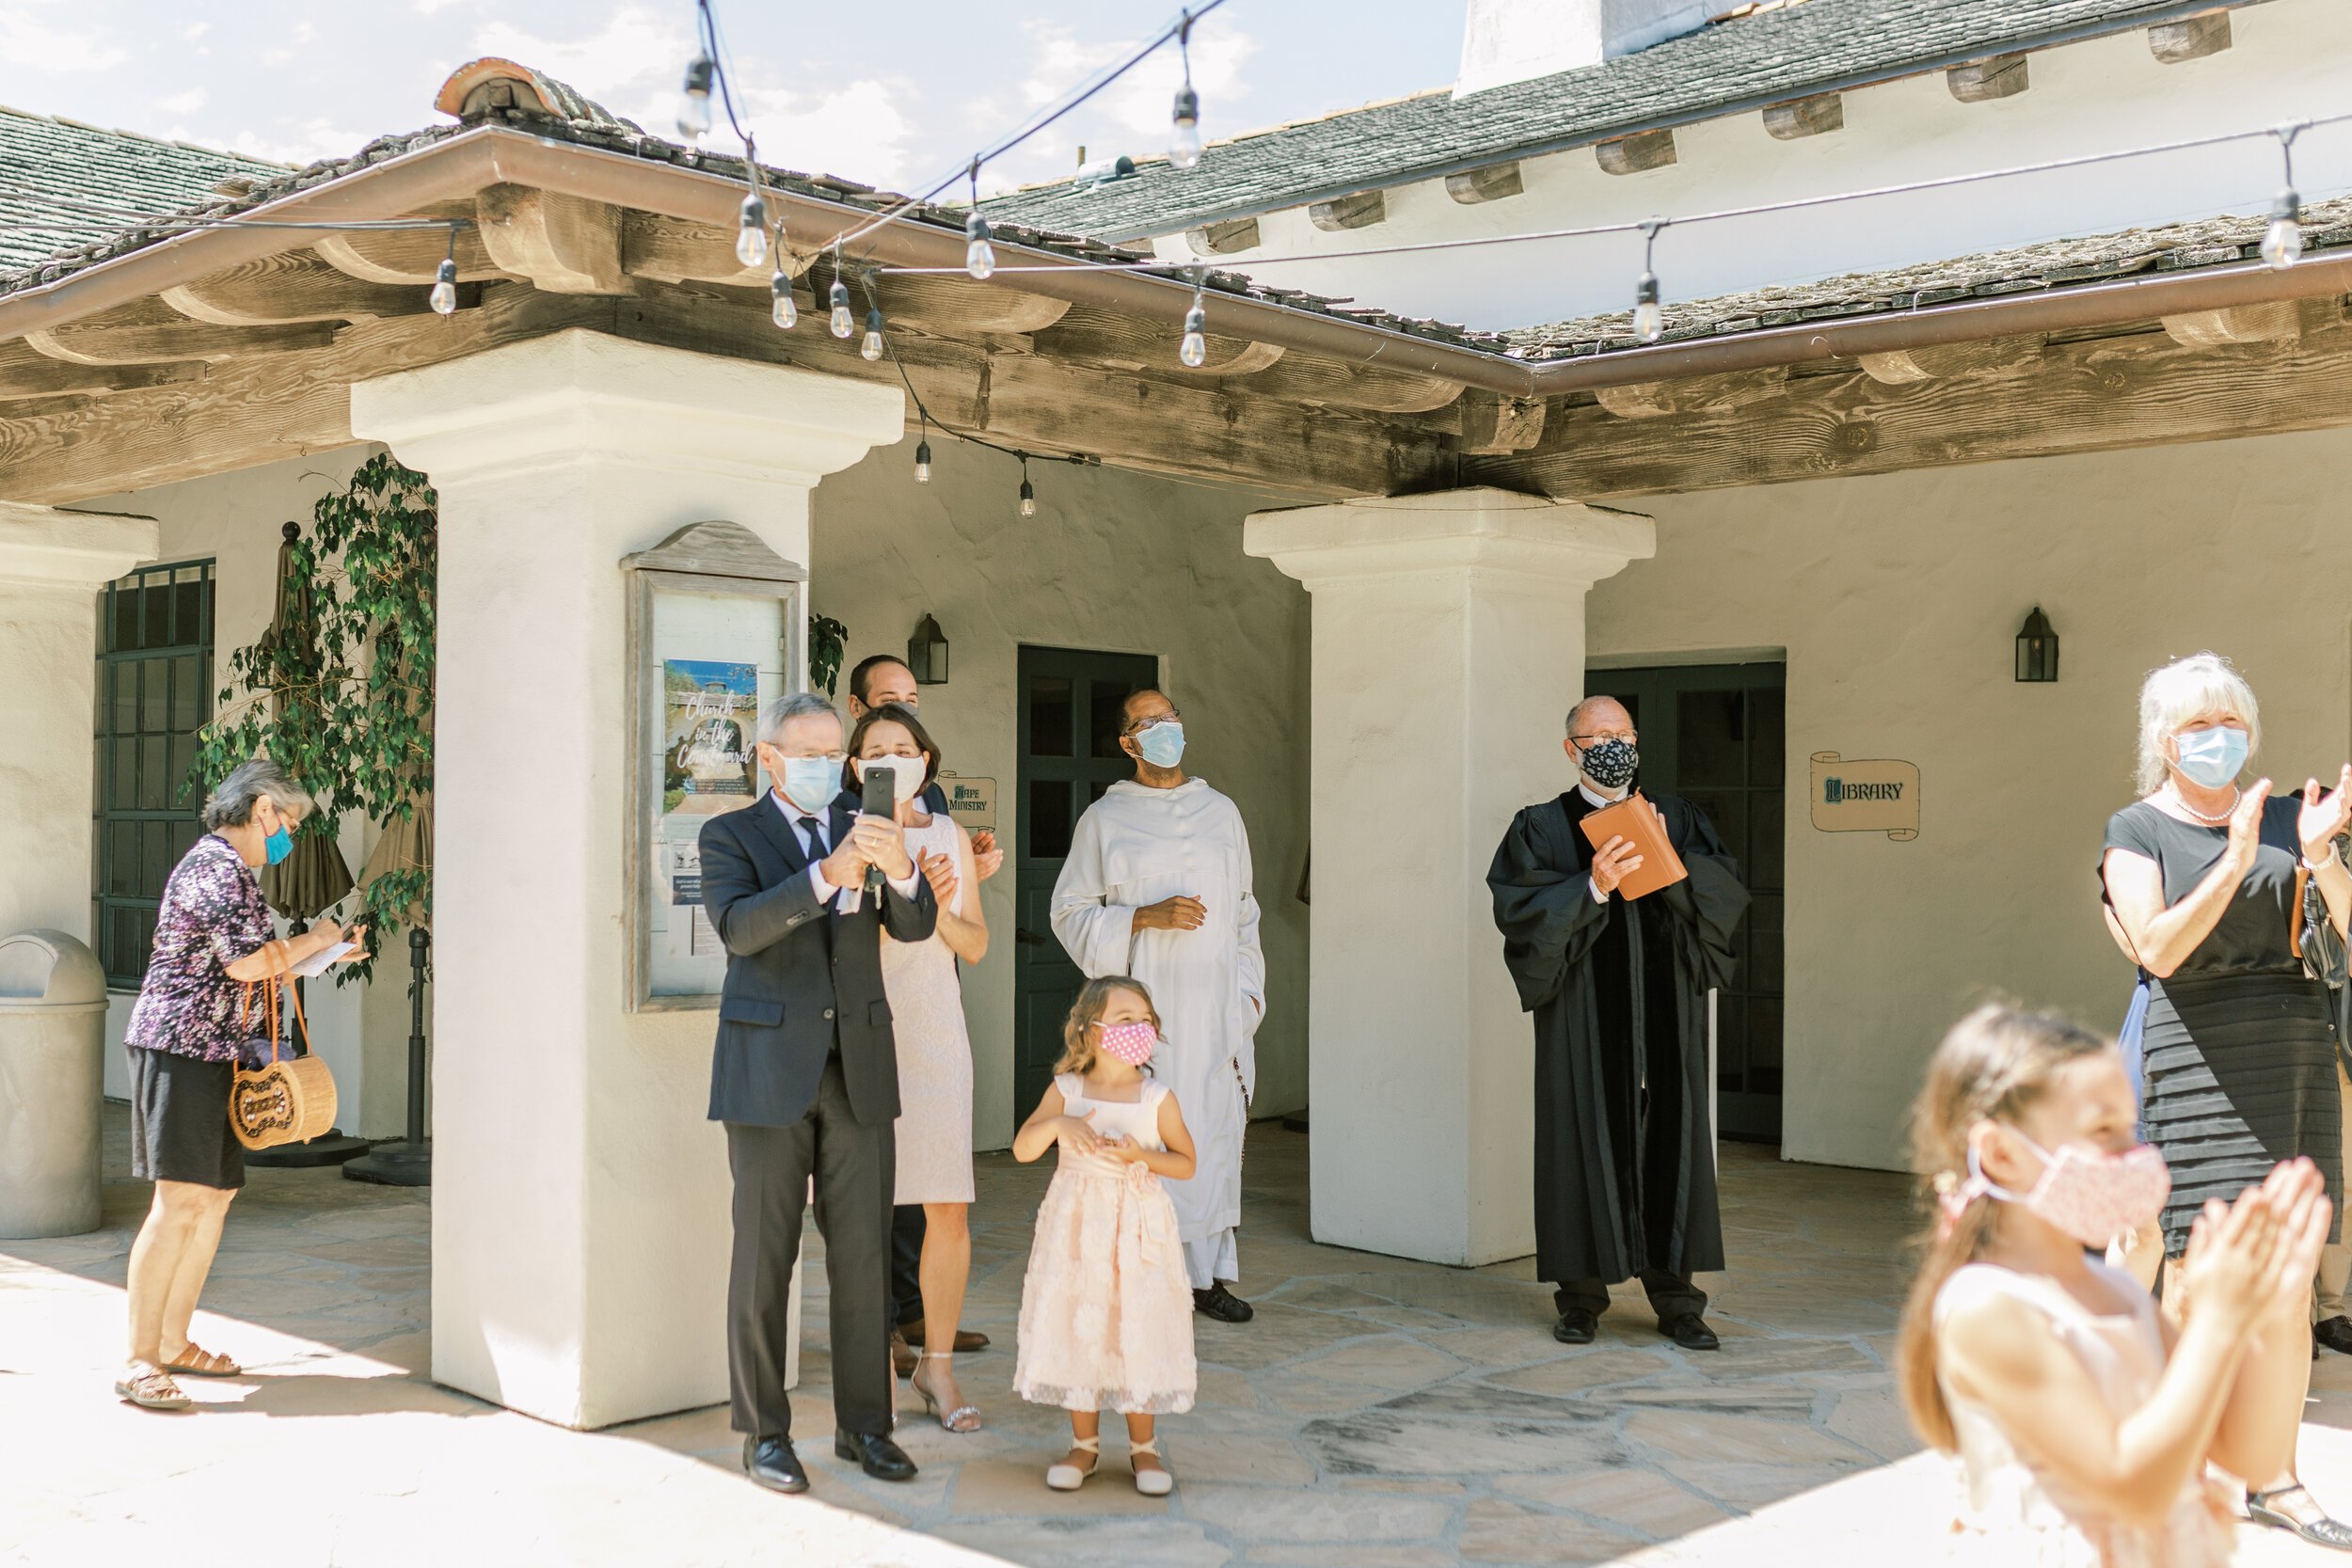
x=939, y=871
x=987, y=859
x=2323, y=816
x=2298, y=1195
x=1078, y=1136
x=2234, y=1263
x=2245, y=826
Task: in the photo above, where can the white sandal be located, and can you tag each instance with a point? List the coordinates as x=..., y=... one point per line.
x=1151, y=1483
x=1069, y=1478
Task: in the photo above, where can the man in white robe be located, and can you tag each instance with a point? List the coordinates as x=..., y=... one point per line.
x=1157, y=886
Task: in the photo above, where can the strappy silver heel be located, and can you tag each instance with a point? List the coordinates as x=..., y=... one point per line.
x=963, y=1417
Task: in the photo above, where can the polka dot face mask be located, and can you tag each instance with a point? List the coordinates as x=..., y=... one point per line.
x=1132, y=1043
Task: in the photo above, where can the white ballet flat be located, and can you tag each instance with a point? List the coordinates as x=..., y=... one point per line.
x=1151, y=1483
x=1069, y=1478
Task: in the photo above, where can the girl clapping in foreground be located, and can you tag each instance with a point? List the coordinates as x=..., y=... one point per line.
x=1106, y=1307
x=2083, y=1421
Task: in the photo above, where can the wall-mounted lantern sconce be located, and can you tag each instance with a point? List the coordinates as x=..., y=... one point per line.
x=2037, y=648
x=926, y=653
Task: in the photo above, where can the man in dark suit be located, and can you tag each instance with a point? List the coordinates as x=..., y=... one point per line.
x=805, y=1078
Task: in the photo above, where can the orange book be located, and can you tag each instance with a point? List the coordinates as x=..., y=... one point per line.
x=1635, y=819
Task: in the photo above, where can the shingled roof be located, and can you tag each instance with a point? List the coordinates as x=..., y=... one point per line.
x=587, y=124
x=64, y=184
x=1732, y=65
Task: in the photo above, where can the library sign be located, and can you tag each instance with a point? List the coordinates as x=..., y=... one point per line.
x=1866, y=796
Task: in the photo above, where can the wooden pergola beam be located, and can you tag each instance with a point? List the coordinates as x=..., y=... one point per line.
x=25, y=373
x=946, y=306
x=2095, y=395
x=152, y=333
x=296, y=287
x=564, y=245
x=1097, y=337
x=249, y=412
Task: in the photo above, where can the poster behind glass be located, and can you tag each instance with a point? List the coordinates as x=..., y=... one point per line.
x=714, y=661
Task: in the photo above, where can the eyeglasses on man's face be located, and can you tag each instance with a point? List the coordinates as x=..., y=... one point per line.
x=1629, y=736
x=1136, y=726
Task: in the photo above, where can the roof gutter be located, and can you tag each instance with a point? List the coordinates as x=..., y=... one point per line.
x=1590, y=136
x=2115, y=303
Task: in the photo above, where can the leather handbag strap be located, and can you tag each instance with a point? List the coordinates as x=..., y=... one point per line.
x=269, y=1009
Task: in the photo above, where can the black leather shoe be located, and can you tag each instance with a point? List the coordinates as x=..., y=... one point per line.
x=1576, y=1326
x=1221, y=1304
x=877, y=1456
x=770, y=1462
x=1691, y=1332
x=2334, y=1332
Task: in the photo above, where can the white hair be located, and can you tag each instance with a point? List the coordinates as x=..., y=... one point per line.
x=2185, y=690
x=781, y=712
x=230, y=804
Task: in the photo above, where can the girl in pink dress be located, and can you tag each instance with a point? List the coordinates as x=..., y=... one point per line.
x=2082, y=1420
x=1107, y=1306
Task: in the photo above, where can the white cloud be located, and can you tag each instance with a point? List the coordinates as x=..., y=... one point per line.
x=1135, y=106
x=27, y=40
x=308, y=143
x=858, y=131
x=183, y=102
x=195, y=30
x=431, y=8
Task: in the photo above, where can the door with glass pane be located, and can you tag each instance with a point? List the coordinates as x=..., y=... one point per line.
x=154, y=689
x=1715, y=735
x=1070, y=703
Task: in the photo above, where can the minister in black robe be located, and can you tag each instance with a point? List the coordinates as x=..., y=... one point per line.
x=1624, y=1150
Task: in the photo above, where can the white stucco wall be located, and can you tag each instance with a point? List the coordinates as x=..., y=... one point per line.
x=233, y=518
x=1113, y=562
x=1897, y=600
x=2287, y=61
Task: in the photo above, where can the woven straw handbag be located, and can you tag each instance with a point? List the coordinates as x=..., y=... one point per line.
x=293, y=1098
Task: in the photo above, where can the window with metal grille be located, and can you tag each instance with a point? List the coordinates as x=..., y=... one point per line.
x=155, y=688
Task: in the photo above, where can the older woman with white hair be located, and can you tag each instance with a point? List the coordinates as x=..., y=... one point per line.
x=2234, y=905
x=214, y=937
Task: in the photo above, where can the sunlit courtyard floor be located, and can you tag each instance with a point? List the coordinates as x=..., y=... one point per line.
x=1378, y=1414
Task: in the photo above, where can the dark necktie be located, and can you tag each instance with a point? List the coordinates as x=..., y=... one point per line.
x=815, y=837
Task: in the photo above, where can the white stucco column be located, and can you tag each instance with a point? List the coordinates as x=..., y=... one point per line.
x=1449, y=645
x=52, y=564
x=580, y=1204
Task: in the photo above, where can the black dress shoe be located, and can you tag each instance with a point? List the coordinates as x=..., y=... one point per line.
x=2334, y=1332
x=1691, y=1332
x=877, y=1456
x=1576, y=1326
x=770, y=1462
x=1221, y=1304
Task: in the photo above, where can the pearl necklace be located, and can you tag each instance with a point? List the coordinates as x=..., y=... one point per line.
x=2227, y=812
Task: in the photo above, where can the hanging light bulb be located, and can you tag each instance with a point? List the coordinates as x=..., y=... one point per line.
x=2282, y=242
x=693, y=107
x=1184, y=142
x=979, y=257
x=751, y=237
x=1028, y=495
x=843, y=324
x=1649, y=317
x=784, y=311
x=923, y=461
x=1194, y=349
x=444, y=295
x=871, y=349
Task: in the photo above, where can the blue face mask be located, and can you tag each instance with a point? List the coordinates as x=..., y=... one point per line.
x=811, y=783
x=1163, y=744
x=2212, y=757
x=278, y=845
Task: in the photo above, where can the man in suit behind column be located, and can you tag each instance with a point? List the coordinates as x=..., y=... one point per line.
x=805, y=1078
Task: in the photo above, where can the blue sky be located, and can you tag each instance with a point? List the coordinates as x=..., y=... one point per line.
x=893, y=95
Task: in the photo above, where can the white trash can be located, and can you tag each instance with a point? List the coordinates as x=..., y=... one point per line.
x=53, y=1025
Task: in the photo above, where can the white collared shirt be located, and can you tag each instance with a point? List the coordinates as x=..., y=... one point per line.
x=844, y=899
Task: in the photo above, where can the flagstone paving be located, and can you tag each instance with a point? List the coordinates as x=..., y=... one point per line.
x=1378, y=1414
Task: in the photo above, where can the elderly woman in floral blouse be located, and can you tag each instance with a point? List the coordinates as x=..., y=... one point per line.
x=214, y=937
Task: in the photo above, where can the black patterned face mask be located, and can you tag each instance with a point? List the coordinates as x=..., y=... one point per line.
x=1609, y=764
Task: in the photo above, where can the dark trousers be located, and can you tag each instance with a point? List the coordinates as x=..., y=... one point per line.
x=906, y=1264
x=852, y=1162
x=1669, y=1295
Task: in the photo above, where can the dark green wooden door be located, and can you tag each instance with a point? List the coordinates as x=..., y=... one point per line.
x=1716, y=735
x=1070, y=701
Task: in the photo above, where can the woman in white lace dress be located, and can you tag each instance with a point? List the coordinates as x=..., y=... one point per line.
x=934, y=1129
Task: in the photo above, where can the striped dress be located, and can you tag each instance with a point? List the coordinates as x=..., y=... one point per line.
x=2239, y=1043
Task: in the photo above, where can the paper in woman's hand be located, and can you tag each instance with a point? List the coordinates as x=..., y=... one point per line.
x=321, y=961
